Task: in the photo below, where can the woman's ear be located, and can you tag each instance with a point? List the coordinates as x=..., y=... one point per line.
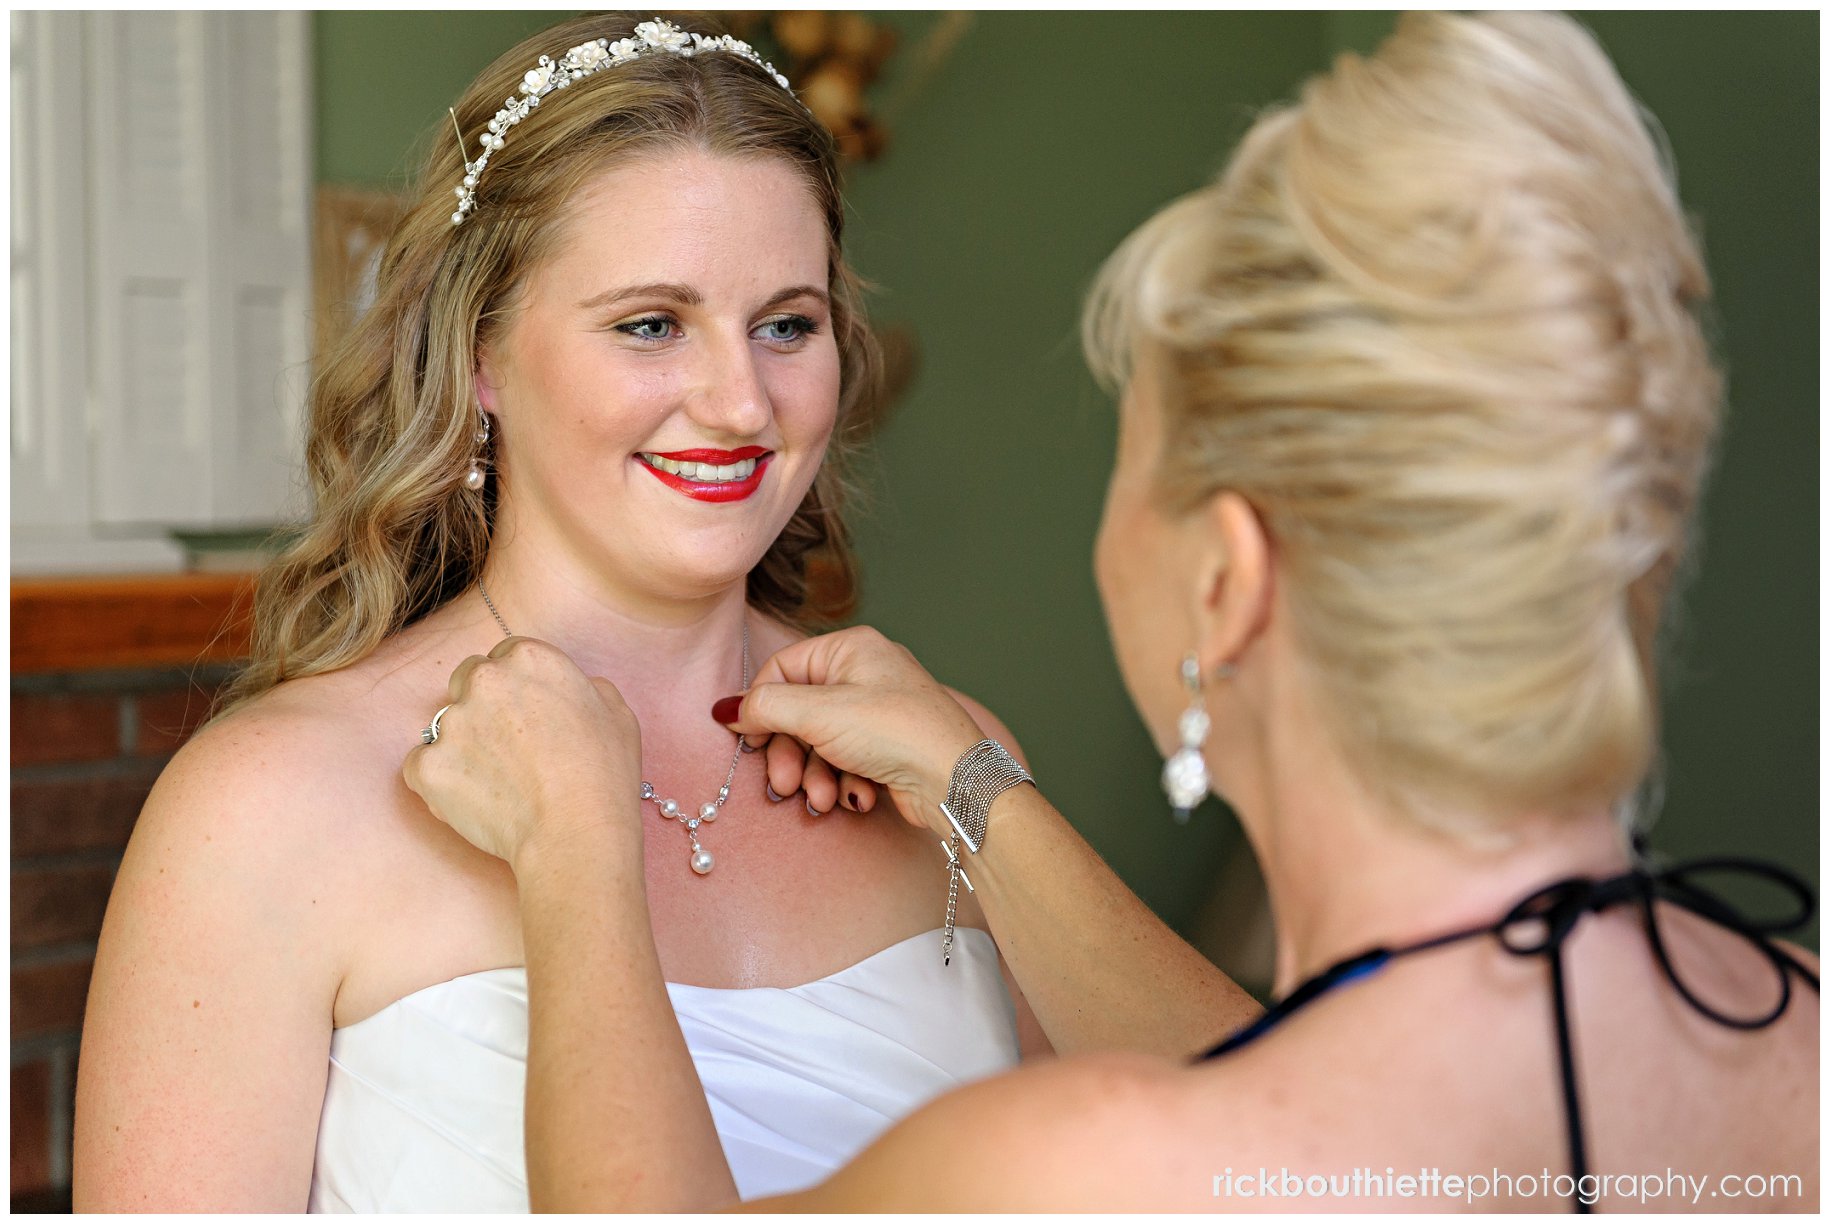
x=1233, y=599
x=489, y=383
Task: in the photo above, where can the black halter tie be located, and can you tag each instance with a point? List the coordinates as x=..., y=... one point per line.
x=1539, y=925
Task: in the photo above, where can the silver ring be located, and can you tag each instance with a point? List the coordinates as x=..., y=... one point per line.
x=429, y=733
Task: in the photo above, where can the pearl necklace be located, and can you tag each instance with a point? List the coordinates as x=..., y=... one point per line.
x=701, y=860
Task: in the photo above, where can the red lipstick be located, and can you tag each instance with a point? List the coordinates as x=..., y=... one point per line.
x=708, y=455
x=714, y=490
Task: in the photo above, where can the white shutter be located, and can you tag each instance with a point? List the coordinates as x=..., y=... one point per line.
x=200, y=168
x=49, y=451
x=262, y=272
x=149, y=83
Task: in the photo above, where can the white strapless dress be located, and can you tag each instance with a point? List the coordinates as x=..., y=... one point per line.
x=424, y=1106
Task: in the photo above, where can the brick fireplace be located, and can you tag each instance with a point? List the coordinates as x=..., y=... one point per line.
x=110, y=676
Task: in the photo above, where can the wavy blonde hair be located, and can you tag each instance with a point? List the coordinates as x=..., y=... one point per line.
x=1436, y=323
x=394, y=533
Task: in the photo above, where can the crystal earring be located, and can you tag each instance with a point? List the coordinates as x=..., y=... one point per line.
x=1185, y=778
x=474, y=478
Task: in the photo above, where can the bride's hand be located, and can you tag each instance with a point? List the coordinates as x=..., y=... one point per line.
x=530, y=751
x=864, y=706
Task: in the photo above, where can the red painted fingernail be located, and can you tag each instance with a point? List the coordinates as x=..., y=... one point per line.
x=724, y=710
x=852, y=801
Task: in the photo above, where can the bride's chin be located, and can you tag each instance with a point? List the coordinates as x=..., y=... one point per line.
x=694, y=584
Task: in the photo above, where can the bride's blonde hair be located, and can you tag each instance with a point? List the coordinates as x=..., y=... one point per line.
x=1436, y=323
x=393, y=532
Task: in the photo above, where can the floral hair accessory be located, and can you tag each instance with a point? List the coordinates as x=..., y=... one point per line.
x=650, y=38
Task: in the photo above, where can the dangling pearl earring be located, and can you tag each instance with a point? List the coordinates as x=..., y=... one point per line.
x=474, y=478
x=1185, y=778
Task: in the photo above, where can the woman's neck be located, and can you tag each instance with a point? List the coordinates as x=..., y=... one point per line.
x=1346, y=871
x=665, y=656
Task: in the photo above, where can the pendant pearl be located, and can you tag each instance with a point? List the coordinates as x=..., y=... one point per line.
x=473, y=479
x=702, y=861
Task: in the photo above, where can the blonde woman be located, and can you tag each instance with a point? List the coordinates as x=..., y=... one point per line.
x=615, y=356
x=1414, y=414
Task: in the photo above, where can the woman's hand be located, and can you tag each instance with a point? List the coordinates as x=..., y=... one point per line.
x=530, y=752
x=863, y=706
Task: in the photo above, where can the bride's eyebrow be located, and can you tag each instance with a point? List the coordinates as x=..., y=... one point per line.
x=788, y=295
x=685, y=295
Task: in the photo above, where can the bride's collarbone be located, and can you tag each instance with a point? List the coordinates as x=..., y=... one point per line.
x=792, y=897
x=775, y=862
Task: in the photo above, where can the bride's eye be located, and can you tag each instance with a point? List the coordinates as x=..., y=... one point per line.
x=787, y=329
x=653, y=328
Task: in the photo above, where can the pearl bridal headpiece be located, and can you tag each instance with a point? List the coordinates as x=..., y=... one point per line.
x=650, y=38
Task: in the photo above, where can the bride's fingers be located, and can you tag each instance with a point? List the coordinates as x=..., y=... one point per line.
x=783, y=761
x=821, y=785
x=854, y=792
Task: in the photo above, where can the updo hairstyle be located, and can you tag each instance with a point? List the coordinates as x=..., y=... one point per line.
x=1436, y=323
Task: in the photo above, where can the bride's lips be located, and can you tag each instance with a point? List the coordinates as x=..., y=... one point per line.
x=710, y=490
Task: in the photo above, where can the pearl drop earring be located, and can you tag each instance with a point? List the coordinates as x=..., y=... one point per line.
x=1185, y=776
x=476, y=476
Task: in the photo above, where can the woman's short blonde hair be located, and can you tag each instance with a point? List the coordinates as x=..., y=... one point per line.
x=1436, y=322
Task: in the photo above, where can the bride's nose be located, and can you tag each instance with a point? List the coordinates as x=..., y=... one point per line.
x=729, y=396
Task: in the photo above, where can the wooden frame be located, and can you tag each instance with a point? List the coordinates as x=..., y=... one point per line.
x=351, y=227
x=89, y=624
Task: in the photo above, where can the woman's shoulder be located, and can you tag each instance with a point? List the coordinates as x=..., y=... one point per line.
x=1805, y=958
x=294, y=765
x=1091, y=1132
x=295, y=732
x=250, y=839
x=989, y=723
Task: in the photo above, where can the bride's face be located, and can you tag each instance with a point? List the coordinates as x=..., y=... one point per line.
x=669, y=380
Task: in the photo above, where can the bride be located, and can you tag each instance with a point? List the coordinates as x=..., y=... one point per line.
x=593, y=403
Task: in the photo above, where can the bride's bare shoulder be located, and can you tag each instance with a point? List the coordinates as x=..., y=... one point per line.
x=990, y=724
x=295, y=765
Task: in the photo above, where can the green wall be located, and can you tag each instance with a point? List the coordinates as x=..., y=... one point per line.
x=1044, y=139
x=383, y=77
x=1738, y=96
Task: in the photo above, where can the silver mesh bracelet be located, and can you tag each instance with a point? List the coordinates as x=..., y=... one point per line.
x=980, y=776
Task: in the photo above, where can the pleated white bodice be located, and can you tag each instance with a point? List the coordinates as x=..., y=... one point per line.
x=423, y=1111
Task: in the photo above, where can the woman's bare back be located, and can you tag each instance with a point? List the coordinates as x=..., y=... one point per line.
x=1441, y=1070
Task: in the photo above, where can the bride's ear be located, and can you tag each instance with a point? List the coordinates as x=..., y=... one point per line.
x=488, y=380
x=1233, y=598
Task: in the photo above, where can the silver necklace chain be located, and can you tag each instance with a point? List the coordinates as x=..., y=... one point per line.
x=700, y=860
